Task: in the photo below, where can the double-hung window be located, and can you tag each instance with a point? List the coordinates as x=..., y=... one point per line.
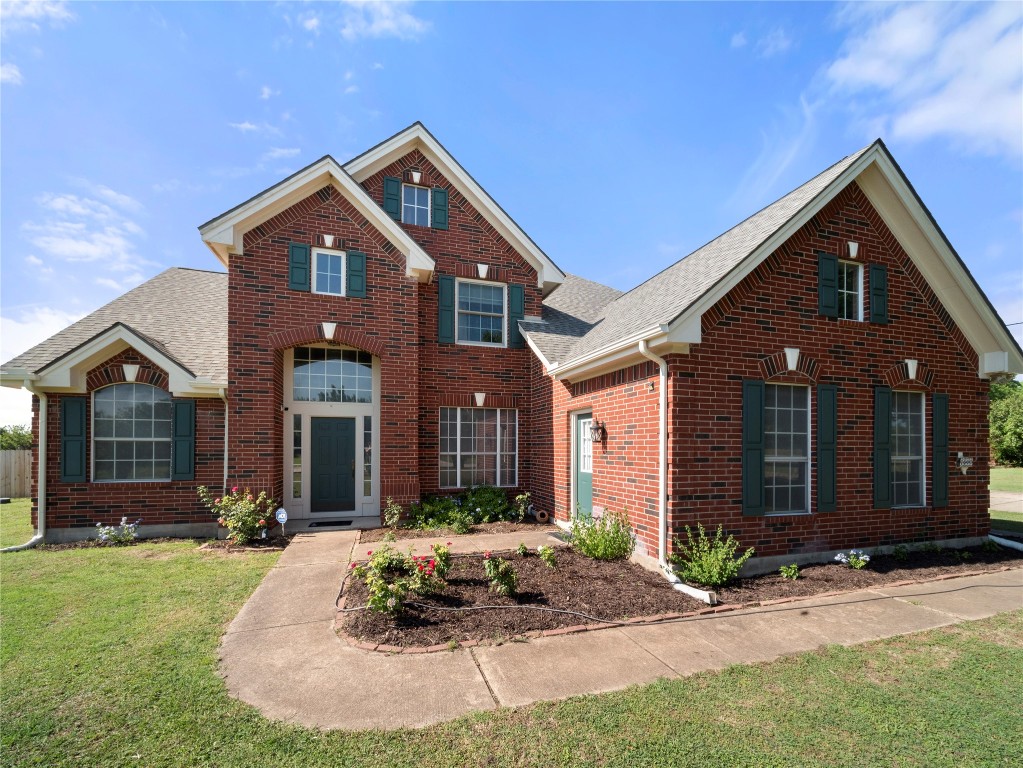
x=415, y=205
x=850, y=291
x=131, y=433
x=478, y=446
x=481, y=313
x=786, y=448
x=907, y=443
x=329, y=272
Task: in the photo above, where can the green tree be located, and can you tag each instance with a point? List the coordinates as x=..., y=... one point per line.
x=15, y=437
x=1006, y=417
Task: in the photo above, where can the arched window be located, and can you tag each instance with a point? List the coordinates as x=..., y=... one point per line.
x=131, y=433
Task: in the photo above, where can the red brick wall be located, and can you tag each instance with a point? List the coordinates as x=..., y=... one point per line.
x=743, y=338
x=78, y=505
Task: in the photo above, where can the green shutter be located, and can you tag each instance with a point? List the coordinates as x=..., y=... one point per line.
x=827, y=447
x=516, y=311
x=356, y=283
x=72, y=440
x=878, y=293
x=753, y=447
x=183, y=451
x=392, y=197
x=940, y=450
x=299, y=266
x=439, y=216
x=882, y=448
x=827, y=284
x=446, y=309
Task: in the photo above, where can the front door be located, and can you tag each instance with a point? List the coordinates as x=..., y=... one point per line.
x=333, y=465
x=583, y=466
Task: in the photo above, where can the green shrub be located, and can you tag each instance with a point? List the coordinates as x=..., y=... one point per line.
x=246, y=516
x=392, y=513
x=901, y=553
x=522, y=550
x=391, y=577
x=547, y=555
x=521, y=506
x=1006, y=419
x=711, y=562
x=608, y=537
x=503, y=579
x=487, y=504
x=790, y=571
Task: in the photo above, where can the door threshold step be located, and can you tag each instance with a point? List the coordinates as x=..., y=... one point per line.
x=330, y=524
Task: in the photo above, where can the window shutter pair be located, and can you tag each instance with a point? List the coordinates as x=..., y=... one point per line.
x=300, y=270
x=446, y=312
x=753, y=450
x=438, y=202
x=73, y=420
x=883, y=449
x=827, y=288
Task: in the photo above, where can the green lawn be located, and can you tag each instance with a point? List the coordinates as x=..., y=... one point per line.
x=1008, y=479
x=109, y=656
x=1007, y=521
x=15, y=522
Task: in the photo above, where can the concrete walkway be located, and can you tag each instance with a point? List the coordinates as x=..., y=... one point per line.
x=281, y=655
x=1004, y=501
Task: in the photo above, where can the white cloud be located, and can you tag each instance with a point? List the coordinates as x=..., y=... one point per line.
x=126, y=282
x=311, y=24
x=377, y=65
x=10, y=73
x=20, y=15
x=35, y=261
x=278, y=153
x=266, y=92
x=937, y=70
x=364, y=18
x=249, y=127
x=352, y=89
x=774, y=42
x=349, y=75
x=738, y=40
x=245, y=127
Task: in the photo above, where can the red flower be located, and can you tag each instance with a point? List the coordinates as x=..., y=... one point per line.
x=235, y=489
x=449, y=544
x=369, y=551
x=420, y=566
x=486, y=555
x=262, y=522
x=433, y=563
x=351, y=565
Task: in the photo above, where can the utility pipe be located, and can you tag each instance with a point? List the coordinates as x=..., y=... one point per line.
x=662, y=478
x=41, y=475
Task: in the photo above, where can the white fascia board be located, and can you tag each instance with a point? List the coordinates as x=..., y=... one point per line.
x=608, y=353
x=225, y=235
x=913, y=227
x=547, y=364
x=417, y=137
x=660, y=343
x=68, y=374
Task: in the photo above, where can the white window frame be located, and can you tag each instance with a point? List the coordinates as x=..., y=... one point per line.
x=458, y=454
x=859, y=291
x=585, y=445
x=504, y=317
x=922, y=457
x=790, y=460
x=429, y=205
x=93, y=439
x=317, y=252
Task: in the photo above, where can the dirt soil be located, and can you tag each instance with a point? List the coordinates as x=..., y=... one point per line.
x=614, y=591
x=378, y=534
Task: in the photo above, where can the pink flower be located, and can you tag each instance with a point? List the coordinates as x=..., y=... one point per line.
x=486, y=555
x=433, y=563
x=235, y=489
x=249, y=497
x=216, y=501
x=262, y=522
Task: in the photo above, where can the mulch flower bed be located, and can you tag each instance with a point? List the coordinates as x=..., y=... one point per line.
x=260, y=545
x=378, y=534
x=614, y=591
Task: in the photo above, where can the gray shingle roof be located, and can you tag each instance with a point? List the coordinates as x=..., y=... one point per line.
x=664, y=297
x=182, y=312
x=568, y=313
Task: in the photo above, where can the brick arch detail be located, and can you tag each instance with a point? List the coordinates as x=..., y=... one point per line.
x=112, y=371
x=313, y=333
x=774, y=366
x=898, y=376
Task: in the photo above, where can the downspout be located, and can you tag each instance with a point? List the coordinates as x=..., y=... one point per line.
x=41, y=474
x=662, y=464
x=223, y=396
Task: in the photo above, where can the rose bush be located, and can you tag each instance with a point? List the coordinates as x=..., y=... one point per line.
x=244, y=514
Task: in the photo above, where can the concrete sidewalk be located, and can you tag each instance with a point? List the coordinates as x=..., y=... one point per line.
x=1004, y=501
x=281, y=655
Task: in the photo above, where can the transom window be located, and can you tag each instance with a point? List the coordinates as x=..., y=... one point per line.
x=329, y=272
x=131, y=433
x=415, y=205
x=478, y=446
x=786, y=448
x=481, y=309
x=850, y=291
x=332, y=376
x=907, y=436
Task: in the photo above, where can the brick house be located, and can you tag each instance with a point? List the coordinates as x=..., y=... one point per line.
x=384, y=329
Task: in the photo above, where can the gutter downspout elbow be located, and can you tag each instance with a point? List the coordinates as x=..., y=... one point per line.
x=40, y=534
x=662, y=475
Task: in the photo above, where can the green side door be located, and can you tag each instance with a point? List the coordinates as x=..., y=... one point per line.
x=583, y=466
x=333, y=465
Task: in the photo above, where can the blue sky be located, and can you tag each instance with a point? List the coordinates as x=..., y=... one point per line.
x=620, y=136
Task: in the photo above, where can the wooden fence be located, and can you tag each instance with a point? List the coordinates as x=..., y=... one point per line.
x=15, y=474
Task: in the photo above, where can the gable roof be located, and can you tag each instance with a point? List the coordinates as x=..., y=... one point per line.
x=568, y=314
x=224, y=233
x=668, y=306
x=159, y=315
x=416, y=136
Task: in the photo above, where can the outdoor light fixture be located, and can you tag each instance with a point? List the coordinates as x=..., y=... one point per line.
x=854, y=249
x=598, y=433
